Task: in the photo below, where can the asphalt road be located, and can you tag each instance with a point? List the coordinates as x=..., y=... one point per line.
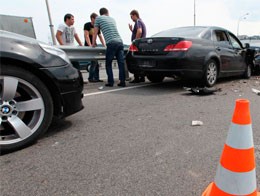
x=133, y=141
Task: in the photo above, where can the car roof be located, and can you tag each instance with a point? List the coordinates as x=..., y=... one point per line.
x=193, y=31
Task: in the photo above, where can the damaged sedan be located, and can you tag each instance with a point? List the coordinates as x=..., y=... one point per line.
x=198, y=53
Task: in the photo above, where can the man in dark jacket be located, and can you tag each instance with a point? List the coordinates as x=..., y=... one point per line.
x=139, y=31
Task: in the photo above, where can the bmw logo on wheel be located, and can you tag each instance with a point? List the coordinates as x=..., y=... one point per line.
x=5, y=110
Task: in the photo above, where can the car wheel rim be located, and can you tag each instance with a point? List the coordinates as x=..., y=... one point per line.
x=21, y=109
x=212, y=73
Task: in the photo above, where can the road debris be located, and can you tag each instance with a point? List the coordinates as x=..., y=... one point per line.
x=196, y=123
x=101, y=87
x=256, y=91
x=55, y=144
x=202, y=90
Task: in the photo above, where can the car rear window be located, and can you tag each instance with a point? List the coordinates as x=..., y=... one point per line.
x=190, y=32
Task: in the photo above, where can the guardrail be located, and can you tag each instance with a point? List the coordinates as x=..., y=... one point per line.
x=79, y=54
x=85, y=53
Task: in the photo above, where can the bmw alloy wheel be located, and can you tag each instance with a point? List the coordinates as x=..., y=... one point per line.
x=23, y=112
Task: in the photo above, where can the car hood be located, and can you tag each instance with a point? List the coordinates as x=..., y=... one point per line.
x=30, y=50
x=10, y=35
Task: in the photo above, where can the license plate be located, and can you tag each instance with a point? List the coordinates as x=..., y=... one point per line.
x=147, y=63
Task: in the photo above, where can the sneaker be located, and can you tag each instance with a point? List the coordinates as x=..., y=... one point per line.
x=122, y=84
x=134, y=81
x=100, y=81
x=109, y=85
x=142, y=79
x=93, y=81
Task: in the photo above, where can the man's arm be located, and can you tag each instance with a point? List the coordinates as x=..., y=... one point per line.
x=102, y=39
x=59, y=37
x=138, y=33
x=94, y=38
x=86, y=35
x=77, y=39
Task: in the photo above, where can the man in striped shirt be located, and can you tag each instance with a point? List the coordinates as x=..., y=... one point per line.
x=114, y=43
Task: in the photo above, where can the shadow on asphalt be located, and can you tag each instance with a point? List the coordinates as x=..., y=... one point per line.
x=57, y=126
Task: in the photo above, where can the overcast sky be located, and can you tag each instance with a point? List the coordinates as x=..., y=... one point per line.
x=157, y=15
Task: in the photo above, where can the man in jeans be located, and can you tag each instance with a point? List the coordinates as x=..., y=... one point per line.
x=114, y=43
x=88, y=34
x=139, y=31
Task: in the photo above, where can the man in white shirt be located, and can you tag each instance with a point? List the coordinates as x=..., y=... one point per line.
x=66, y=32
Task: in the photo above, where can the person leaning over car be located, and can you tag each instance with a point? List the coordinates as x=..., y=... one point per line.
x=66, y=32
x=115, y=46
x=139, y=31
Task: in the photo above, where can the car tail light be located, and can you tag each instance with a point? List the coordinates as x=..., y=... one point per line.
x=180, y=46
x=133, y=48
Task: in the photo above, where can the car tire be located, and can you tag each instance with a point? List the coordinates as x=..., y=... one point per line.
x=26, y=108
x=211, y=73
x=257, y=70
x=88, y=67
x=155, y=78
x=256, y=64
x=248, y=72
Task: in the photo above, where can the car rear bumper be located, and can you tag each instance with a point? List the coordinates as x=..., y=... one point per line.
x=183, y=68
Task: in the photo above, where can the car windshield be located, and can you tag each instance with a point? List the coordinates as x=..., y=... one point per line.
x=190, y=32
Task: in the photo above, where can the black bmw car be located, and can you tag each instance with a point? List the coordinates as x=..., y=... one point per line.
x=202, y=53
x=37, y=82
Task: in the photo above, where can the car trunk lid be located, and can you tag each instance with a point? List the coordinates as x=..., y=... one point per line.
x=159, y=46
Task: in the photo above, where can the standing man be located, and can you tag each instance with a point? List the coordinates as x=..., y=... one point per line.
x=114, y=43
x=88, y=34
x=139, y=31
x=66, y=32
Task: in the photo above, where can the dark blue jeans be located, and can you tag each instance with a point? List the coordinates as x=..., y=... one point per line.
x=94, y=71
x=115, y=49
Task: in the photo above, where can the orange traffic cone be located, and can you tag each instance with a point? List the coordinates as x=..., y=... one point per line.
x=236, y=174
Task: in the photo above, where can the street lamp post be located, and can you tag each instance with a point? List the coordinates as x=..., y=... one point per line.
x=51, y=25
x=243, y=17
x=194, y=12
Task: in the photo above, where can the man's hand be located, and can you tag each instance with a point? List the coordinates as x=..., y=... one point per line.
x=130, y=27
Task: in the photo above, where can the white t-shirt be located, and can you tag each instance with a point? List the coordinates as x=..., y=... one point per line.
x=67, y=34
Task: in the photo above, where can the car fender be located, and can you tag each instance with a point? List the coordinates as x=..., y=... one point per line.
x=212, y=55
x=16, y=56
x=44, y=76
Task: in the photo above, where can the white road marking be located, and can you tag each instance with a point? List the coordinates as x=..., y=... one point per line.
x=117, y=89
